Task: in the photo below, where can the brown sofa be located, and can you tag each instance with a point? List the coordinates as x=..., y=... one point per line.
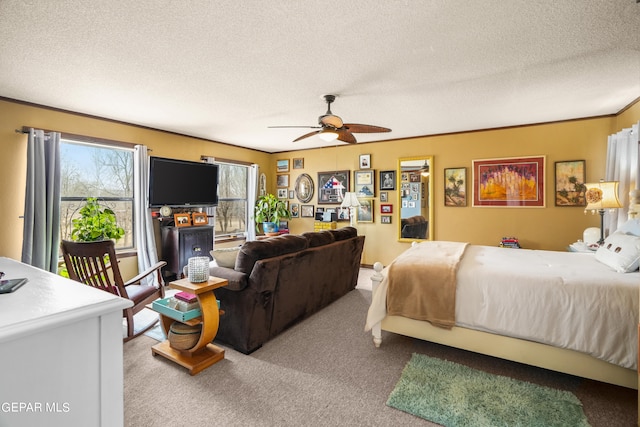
x=278, y=281
x=414, y=227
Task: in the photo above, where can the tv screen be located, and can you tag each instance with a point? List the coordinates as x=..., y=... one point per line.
x=182, y=183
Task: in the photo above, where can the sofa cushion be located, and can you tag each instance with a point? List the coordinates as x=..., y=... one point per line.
x=256, y=250
x=225, y=257
x=319, y=238
x=344, y=233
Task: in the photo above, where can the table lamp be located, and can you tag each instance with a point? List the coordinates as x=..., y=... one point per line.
x=350, y=201
x=600, y=196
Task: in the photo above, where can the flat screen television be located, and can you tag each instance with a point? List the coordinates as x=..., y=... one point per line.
x=182, y=183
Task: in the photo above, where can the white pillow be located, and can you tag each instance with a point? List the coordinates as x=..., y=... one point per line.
x=620, y=252
x=225, y=257
x=630, y=227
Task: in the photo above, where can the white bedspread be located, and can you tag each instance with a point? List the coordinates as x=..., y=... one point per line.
x=565, y=299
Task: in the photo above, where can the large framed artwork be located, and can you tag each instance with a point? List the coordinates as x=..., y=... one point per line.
x=570, y=183
x=509, y=182
x=332, y=186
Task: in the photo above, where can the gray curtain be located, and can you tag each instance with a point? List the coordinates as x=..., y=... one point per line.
x=41, y=233
x=144, y=230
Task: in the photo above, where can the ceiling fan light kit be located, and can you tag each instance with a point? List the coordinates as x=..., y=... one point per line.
x=332, y=127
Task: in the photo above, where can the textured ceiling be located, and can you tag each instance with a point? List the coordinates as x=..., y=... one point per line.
x=226, y=70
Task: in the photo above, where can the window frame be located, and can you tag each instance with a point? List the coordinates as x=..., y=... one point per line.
x=233, y=236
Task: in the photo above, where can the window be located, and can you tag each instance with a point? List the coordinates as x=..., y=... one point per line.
x=101, y=171
x=231, y=213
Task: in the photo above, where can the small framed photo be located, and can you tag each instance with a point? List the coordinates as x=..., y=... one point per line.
x=386, y=209
x=292, y=194
x=199, y=218
x=282, y=181
x=365, y=161
x=384, y=196
x=182, y=219
x=365, y=211
x=282, y=165
x=385, y=219
x=343, y=214
x=282, y=193
x=455, y=187
x=387, y=180
x=295, y=210
x=570, y=183
x=365, y=183
x=298, y=163
x=306, y=211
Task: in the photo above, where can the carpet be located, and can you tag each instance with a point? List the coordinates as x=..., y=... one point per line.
x=455, y=395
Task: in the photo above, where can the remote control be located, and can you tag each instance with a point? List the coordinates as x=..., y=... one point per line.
x=10, y=285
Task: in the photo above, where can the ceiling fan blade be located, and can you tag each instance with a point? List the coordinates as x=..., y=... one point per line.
x=307, y=135
x=357, y=128
x=285, y=127
x=346, y=136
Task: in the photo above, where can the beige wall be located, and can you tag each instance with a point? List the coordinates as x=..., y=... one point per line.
x=539, y=228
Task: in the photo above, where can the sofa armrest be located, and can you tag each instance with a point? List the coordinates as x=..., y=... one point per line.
x=237, y=280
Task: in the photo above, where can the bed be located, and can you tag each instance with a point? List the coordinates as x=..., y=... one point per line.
x=564, y=311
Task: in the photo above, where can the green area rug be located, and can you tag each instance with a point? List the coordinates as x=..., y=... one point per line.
x=455, y=395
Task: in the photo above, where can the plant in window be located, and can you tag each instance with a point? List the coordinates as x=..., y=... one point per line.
x=95, y=223
x=269, y=210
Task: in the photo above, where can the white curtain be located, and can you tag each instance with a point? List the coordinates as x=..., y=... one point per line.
x=252, y=192
x=144, y=230
x=41, y=232
x=623, y=165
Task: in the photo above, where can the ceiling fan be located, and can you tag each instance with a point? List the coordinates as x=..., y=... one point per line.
x=332, y=128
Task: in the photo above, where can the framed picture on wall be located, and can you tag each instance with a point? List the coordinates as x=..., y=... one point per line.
x=282, y=165
x=387, y=180
x=455, y=187
x=332, y=186
x=298, y=163
x=365, y=211
x=364, y=183
x=509, y=182
x=282, y=181
x=306, y=211
x=365, y=161
x=570, y=187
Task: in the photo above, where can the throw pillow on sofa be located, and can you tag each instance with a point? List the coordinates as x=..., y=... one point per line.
x=225, y=257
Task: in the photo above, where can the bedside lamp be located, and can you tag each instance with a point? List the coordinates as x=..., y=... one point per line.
x=350, y=201
x=600, y=196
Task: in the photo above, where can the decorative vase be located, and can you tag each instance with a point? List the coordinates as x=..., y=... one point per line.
x=198, y=269
x=269, y=227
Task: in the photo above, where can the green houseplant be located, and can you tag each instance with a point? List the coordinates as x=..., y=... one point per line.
x=95, y=223
x=269, y=210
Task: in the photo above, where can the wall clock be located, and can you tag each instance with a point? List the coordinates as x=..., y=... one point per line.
x=304, y=188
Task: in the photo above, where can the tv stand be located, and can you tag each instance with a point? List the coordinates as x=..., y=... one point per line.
x=181, y=243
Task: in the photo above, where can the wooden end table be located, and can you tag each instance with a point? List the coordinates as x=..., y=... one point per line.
x=204, y=353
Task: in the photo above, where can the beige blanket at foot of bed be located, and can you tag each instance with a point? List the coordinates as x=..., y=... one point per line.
x=422, y=282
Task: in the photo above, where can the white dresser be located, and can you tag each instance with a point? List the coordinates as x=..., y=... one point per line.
x=60, y=352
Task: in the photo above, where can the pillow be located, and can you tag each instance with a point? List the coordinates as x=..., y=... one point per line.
x=620, y=252
x=630, y=227
x=225, y=257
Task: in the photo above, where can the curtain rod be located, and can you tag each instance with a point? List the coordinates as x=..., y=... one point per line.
x=83, y=138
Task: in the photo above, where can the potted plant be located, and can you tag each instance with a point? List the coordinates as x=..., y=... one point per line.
x=268, y=211
x=95, y=223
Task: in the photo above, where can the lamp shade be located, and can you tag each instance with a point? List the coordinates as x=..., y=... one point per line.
x=328, y=135
x=350, y=200
x=602, y=195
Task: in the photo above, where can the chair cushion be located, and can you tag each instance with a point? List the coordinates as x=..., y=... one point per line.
x=138, y=293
